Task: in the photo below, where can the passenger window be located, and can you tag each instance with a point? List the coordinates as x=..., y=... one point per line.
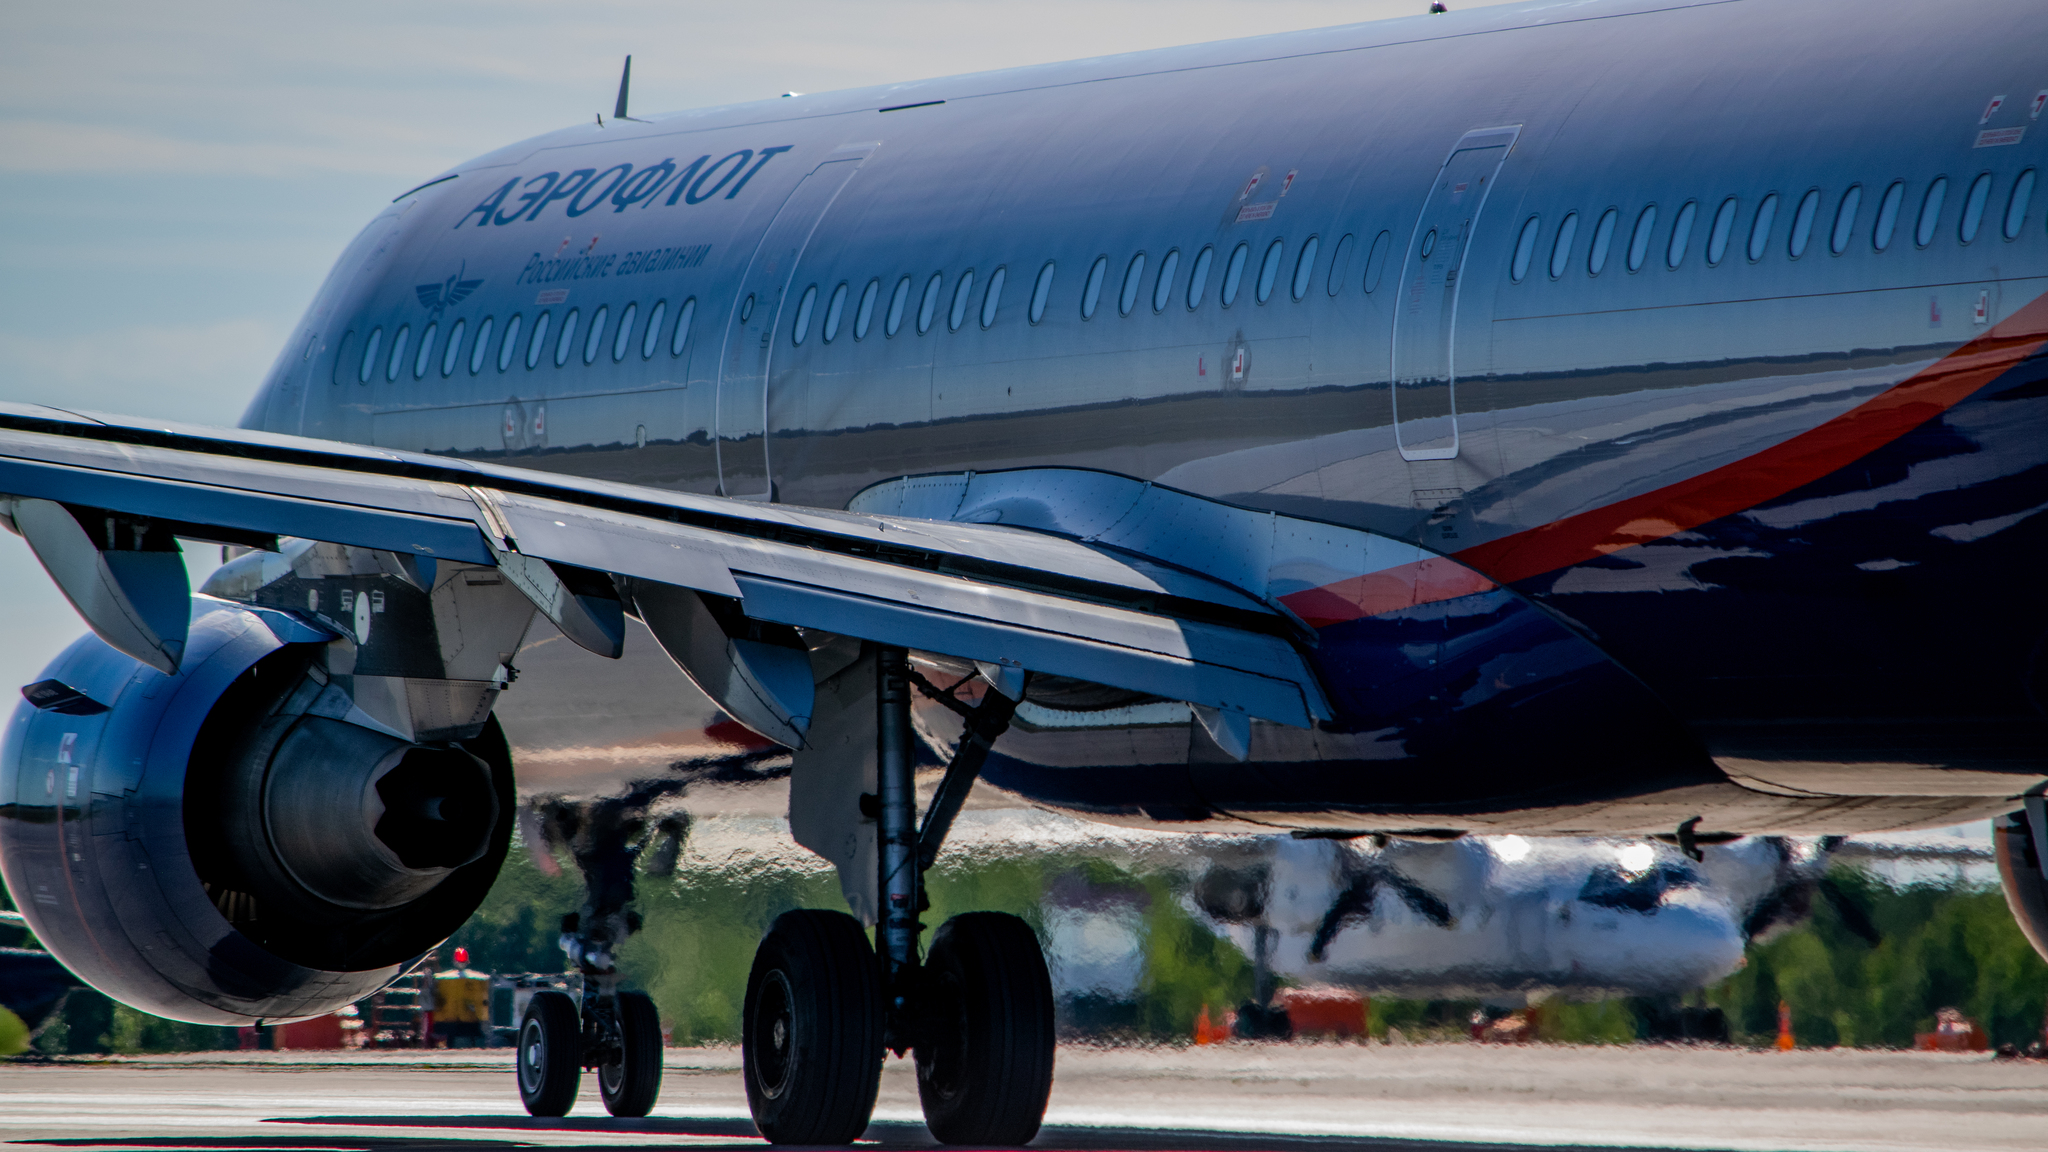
x=1561, y=248
x=1376, y=260
x=864, y=315
x=1724, y=227
x=453, y=354
x=1269, y=269
x=962, y=294
x=1802, y=224
x=1845, y=220
x=1198, y=276
x=539, y=341
x=482, y=347
x=1041, y=292
x=1134, y=274
x=1603, y=239
x=802, y=326
x=567, y=343
x=1162, y=292
x=1233, y=273
x=509, y=347
x=1760, y=228
x=1681, y=234
x=426, y=354
x=1340, y=263
x=898, y=300
x=1639, y=240
x=928, y=306
x=1091, y=292
x=370, y=351
x=652, y=340
x=594, y=343
x=993, y=298
x=1930, y=212
x=1888, y=216
x=1973, y=208
x=623, y=343
x=397, y=352
x=1304, y=268
x=1525, y=249
x=2016, y=207
x=684, y=317
x=834, y=310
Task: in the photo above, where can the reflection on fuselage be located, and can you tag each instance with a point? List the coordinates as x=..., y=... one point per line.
x=1632, y=271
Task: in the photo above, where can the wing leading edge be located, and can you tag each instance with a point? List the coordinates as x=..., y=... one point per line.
x=990, y=593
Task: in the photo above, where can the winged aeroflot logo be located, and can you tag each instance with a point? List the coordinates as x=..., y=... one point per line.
x=448, y=293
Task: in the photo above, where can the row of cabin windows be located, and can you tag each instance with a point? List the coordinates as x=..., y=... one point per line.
x=565, y=342
x=1165, y=288
x=1762, y=220
x=1165, y=285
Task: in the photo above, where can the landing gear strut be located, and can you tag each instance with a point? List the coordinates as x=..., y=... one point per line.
x=822, y=1006
x=614, y=1031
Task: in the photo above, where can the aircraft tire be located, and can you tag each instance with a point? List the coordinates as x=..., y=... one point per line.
x=811, y=1029
x=985, y=1054
x=550, y=1058
x=629, y=1085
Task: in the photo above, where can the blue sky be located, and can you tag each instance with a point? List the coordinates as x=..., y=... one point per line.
x=177, y=177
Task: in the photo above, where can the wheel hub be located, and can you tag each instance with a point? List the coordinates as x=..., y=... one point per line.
x=773, y=1017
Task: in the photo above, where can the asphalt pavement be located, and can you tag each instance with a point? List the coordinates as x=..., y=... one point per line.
x=1227, y=1097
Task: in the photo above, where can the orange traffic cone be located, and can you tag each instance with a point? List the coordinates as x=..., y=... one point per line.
x=1205, y=1032
x=1785, y=1041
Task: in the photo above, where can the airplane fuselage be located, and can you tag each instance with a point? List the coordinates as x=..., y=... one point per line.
x=1708, y=335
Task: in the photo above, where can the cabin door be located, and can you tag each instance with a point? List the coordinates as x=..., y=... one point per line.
x=759, y=327
x=1425, y=392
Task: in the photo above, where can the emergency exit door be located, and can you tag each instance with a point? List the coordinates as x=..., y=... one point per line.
x=759, y=327
x=1424, y=373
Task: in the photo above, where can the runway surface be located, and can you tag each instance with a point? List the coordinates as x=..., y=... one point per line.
x=1449, y=1098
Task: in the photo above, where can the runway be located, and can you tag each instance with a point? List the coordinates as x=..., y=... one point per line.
x=1448, y=1097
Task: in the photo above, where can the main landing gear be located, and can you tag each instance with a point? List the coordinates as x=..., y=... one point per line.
x=614, y=1031
x=822, y=1005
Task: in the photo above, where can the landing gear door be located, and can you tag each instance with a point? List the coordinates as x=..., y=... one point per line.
x=759, y=327
x=1425, y=395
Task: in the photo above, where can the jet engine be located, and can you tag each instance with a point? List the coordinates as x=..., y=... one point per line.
x=236, y=840
x=2019, y=845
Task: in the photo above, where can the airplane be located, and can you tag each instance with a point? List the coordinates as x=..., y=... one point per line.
x=1510, y=920
x=33, y=988
x=1600, y=417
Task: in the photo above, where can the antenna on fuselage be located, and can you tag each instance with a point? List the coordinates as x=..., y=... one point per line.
x=625, y=80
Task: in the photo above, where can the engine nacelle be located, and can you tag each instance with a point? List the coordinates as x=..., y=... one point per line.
x=231, y=843
x=2017, y=844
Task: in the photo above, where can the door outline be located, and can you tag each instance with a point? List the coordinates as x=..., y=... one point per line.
x=853, y=156
x=1503, y=137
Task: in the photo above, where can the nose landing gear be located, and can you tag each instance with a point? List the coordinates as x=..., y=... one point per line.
x=822, y=1005
x=618, y=1034
x=613, y=1031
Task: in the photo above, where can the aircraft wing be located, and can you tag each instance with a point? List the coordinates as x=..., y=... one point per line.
x=1017, y=597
